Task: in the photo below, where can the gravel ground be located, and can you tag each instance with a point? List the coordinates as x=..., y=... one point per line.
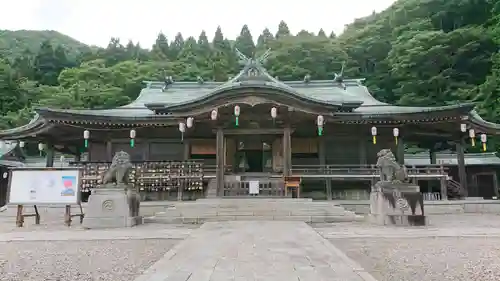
x=426, y=259
x=119, y=260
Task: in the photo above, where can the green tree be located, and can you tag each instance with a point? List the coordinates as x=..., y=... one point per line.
x=265, y=39
x=176, y=46
x=160, y=49
x=283, y=30
x=244, y=42
x=46, y=65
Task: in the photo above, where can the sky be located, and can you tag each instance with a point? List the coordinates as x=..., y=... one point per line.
x=94, y=22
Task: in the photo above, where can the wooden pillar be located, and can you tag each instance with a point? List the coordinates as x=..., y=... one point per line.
x=433, y=156
x=187, y=149
x=220, y=161
x=287, y=152
x=433, y=161
x=186, y=155
x=49, y=156
x=363, y=160
x=109, y=151
x=322, y=162
x=462, y=174
x=444, y=186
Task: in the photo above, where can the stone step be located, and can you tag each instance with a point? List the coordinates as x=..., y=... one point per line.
x=199, y=220
x=254, y=209
x=276, y=213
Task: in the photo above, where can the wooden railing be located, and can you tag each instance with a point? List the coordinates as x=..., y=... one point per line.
x=267, y=188
x=364, y=171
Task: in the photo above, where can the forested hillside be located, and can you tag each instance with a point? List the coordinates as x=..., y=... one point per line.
x=418, y=52
x=17, y=43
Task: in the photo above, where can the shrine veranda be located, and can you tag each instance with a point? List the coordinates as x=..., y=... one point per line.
x=192, y=140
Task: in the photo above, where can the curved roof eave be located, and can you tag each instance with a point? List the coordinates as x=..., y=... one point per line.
x=488, y=127
x=238, y=86
x=387, y=110
x=92, y=116
x=36, y=124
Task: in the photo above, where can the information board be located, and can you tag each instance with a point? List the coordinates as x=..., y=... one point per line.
x=44, y=186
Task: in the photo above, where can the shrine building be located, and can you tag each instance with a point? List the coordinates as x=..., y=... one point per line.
x=256, y=127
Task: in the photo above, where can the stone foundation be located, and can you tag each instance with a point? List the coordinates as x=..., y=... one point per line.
x=108, y=208
x=397, y=204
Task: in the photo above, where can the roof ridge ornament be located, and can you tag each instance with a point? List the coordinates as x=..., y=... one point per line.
x=253, y=68
x=339, y=78
x=244, y=60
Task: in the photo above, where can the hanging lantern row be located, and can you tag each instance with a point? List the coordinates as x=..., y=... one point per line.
x=374, y=135
x=237, y=112
x=320, y=121
x=472, y=136
x=41, y=147
x=182, y=129
x=132, y=138
x=190, y=123
x=236, y=115
x=395, y=133
x=86, y=136
x=274, y=114
x=483, y=141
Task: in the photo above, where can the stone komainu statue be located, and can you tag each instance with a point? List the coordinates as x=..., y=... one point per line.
x=119, y=170
x=390, y=169
x=118, y=174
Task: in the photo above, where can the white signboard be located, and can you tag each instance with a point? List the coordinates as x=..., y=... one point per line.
x=253, y=187
x=59, y=186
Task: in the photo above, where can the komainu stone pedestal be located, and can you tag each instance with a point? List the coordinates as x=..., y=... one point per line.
x=109, y=208
x=398, y=204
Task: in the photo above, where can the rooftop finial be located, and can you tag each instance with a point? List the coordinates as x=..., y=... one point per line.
x=339, y=78
x=263, y=58
x=244, y=60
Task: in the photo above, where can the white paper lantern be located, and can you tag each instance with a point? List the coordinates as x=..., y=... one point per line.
x=132, y=134
x=189, y=122
x=463, y=128
x=274, y=112
x=5, y=175
x=320, y=121
x=41, y=146
x=237, y=111
x=86, y=134
x=472, y=134
x=395, y=132
x=182, y=127
x=213, y=115
x=374, y=131
x=21, y=144
x=483, y=138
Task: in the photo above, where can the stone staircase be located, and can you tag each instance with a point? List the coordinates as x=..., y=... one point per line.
x=212, y=189
x=251, y=209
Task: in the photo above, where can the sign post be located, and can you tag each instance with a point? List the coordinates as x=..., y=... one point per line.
x=51, y=186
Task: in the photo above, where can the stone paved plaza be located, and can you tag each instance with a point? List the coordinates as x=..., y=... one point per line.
x=453, y=247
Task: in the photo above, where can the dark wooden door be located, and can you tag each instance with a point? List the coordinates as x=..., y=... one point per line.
x=485, y=185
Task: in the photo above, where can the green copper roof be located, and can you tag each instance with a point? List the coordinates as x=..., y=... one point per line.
x=325, y=91
x=328, y=92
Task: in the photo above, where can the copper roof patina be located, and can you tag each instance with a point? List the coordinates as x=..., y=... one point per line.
x=346, y=100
